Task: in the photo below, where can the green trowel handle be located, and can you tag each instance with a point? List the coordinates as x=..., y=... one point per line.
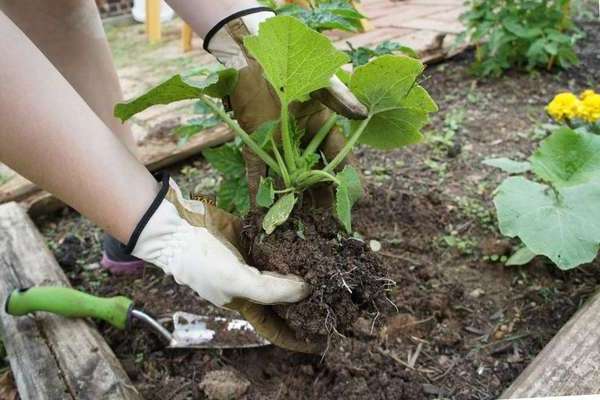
x=69, y=303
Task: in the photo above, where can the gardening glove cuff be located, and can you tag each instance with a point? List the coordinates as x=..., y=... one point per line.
x=188, y=239
x=226, y=42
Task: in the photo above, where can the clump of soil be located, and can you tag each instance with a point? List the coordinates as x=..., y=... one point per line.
x=345, y=275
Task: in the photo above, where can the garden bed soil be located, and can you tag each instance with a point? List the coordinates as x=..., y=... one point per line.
x=465, y=325
x=346, y=276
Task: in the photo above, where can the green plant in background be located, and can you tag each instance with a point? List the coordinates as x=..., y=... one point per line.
x=321, y=15
x=558, y=214
x=398, y=108
x=520, y=33
x=362, y=55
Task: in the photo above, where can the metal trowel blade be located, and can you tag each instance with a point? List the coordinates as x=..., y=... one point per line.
x=208, y=332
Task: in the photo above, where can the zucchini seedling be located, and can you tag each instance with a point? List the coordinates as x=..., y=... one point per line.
x=296, y=61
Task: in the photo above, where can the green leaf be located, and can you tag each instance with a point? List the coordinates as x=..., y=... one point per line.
x=296, y=60
x=226, y=159
x=520, y=257
x=568, y=157
x=385, y=82
x=563, y=226
x=351, y=179
x=233, y=195
x=508, y=165
x=348, y=192
x=279, y=213
x=217, y=84
x=263, y=134
x=399, y=107
x=513, y=26
x=343, y=206
x=266, y=194
x=393, y=129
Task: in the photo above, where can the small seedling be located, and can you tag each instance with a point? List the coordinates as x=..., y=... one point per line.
x=296, y=61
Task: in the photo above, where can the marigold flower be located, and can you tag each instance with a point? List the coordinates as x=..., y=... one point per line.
x=564, y=106
x=590, y=108
x=586, y=93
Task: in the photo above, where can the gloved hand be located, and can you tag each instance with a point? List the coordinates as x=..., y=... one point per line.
x=198, y=244
x=254, y=101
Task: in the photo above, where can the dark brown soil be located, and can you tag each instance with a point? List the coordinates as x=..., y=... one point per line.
x=347, y=278
x=465, y=326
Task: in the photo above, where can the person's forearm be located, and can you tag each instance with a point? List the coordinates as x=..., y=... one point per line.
x=52, y=137
x=202, y=15
x=71, y=36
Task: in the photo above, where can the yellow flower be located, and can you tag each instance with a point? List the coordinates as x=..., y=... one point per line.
x=564, y=105
x=590, y=108
x=586, y=93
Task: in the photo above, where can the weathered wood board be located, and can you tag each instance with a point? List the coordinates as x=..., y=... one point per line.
x=570, y=364
x=51, y=357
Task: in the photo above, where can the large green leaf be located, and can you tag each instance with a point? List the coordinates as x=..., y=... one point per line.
x=279, y=213
x=568, y=157
x=399, y=107
x=384, y=82
x=295, y=59
x=217, y=84
x=563, y=225
x=393, y=129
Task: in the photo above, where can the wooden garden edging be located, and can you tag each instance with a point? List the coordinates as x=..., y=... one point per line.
x=155, y=154
x=51, y=357
x=568, y=365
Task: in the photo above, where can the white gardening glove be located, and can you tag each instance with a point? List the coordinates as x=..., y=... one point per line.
x=203, y=260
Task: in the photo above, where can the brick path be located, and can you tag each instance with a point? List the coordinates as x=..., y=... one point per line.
x=427, y=26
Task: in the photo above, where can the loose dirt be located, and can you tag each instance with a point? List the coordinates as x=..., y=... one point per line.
x=346, y=276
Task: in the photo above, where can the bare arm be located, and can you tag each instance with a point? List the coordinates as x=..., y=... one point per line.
x=51, y=136
x=202, y=15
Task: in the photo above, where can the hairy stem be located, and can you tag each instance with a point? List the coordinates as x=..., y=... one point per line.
x=310, y=178
x=320, y=136
x=284, y=172
x=341, y=156
x=242, y=134
x=288, y=151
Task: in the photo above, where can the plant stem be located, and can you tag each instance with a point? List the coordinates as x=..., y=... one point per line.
x=284, y=191
x=284, y=172
x=288, y=151
x=242, y=134
x=341, y=156
x=315, y=176
x=320, y=136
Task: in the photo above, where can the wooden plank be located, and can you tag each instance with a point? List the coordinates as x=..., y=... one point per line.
x=569, y=364
x=155, y=153
x=153, y=21
x=186, y=37
x=51, y=357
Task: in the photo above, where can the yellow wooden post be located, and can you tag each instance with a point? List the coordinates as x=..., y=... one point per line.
x=186, y=37
x=364, y=23
x=153, y=20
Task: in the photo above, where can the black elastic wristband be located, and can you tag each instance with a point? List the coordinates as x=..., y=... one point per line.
x=163, y=178
x=230, y=18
